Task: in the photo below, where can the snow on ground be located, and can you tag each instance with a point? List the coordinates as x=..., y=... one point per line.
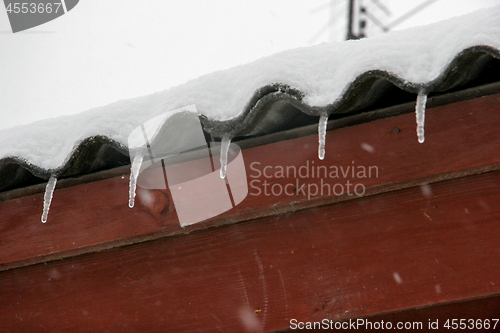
x=322, y=72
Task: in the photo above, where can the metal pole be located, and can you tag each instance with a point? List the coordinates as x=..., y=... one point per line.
x=350, y=22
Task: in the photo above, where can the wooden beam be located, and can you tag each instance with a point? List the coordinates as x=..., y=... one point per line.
x=384, y=253
x=473, y=313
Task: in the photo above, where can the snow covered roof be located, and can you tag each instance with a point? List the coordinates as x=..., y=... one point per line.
x=281, y=91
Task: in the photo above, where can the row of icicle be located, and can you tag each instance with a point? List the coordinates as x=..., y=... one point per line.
x=225, y=142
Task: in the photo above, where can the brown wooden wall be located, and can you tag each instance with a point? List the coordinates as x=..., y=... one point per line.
x=400, y=247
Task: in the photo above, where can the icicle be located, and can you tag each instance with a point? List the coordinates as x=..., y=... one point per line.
x=323, y=120
x=420, y=112
x=224, y=150
x=134, y=173
x=47, y=198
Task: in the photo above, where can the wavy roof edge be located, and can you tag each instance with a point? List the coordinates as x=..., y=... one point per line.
x=263, y=114
x=275, y=93
x=464, y=67
x=320, y=78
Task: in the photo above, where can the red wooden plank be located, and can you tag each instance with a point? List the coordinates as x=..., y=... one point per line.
x=469, y=315
x=382, y=253
x=462, y=136
x=480, y=311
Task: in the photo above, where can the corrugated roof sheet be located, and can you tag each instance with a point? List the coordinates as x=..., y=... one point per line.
x=264, y=114
x=276, y=93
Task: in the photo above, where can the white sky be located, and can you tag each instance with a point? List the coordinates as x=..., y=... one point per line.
x=106, y=50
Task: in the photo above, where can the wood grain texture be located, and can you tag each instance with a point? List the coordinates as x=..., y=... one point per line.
x=461, y=139
x=367, y=256
x=473, y=313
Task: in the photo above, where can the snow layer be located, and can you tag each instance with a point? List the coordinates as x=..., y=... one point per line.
x=418, y=55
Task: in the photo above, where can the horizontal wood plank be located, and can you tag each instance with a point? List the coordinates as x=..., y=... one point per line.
x=387, y=252
x=472, y=315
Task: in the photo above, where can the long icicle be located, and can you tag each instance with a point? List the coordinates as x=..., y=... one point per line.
x=420, y=113
x=47, y=198
x=224, y=150
x=323, y=121
x=134, y=173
